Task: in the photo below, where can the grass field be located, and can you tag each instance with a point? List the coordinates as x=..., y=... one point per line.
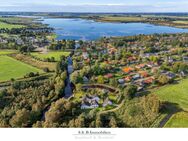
x=177, y=93
x=10, y=26
x=175, y=21
x=181, y=22
x=11, y=68
x=6, y=52
x=55, y=54
x=17, y=19
x=122, y=19
x=178, y=120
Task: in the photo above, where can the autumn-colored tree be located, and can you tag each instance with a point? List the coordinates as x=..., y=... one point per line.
x=163, y=79
x=113, y=122
x=80, y=121
x=98, y=122
x=20, y=119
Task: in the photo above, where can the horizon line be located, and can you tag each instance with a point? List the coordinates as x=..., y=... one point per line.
x=91, y=12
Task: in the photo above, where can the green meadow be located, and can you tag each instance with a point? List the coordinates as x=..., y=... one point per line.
x=122, y=19
x=55, y=54
x=176, y=94
x=11, y=68
x=10, y=26
x=6, y=52
x=178, y=120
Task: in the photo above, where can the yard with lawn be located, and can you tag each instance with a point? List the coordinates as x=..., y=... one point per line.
x=55, y=54
x=10, y=26
x=11, y=68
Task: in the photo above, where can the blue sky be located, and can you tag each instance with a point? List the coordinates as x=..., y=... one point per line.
x=95, y=5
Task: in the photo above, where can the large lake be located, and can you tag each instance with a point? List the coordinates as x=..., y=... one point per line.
x=90, y=30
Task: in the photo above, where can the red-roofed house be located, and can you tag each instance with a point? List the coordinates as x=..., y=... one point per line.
x=127, y=69
x=109, y=75
x=128, y=78
x=143, y=74
x=149, y=80
x=140, y=66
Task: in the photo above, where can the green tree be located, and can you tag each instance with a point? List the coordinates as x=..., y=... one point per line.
x=130, y=91
x=113, y=82
x=100, y=79
x=163, y=79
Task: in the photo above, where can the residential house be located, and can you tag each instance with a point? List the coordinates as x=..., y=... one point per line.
x=19, y=41
x=143, y=74
x=85, y=55
x=169, y=59
x=149, y=80
x=154, y=69
x=182, y=74
x=107, y=102
x=90, y=102
x=128, y=78
x=109, y=75
x=121, y=81
x=85, y=79
x=170, y=75
x=185, y=59
x=128, y=69
x=140, y=66
x=136, y=76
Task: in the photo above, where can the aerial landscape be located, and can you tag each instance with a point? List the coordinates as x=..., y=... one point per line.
x=93, y=69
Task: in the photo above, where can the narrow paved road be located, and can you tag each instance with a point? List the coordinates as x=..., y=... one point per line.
x=173, y=110
x=165, y=120
x=113, y=110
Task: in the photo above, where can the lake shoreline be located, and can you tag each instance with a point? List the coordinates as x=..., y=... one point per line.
x=101, y=19
x=89, y=29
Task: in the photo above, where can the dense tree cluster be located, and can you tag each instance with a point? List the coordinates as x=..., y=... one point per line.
x=62, y=45
x=139, y=112
x=24, y=103
x=20, y=100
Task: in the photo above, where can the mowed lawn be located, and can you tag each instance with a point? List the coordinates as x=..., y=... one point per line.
x=177, y=94
x=6, y=52
x=178, y=120
x=10, y=26
x=11, y=68
x=55, y=54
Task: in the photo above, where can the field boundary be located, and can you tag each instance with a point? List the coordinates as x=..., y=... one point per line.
x=8, y=83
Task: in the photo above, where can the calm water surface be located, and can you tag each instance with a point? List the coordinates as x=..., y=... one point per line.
x=90, y=30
